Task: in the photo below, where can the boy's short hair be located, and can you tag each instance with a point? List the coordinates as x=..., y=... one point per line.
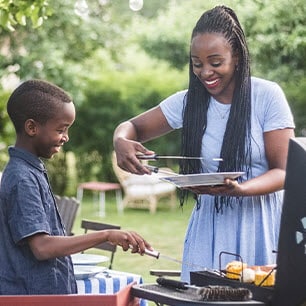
x=35, y=99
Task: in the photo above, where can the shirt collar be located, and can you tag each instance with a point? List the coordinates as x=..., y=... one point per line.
x=26, y=156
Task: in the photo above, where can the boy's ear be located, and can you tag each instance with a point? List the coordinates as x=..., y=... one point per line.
x=30, y=127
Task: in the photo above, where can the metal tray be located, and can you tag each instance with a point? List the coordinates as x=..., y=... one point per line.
x=167, y=296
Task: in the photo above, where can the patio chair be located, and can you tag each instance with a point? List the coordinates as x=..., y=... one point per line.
x=67, y=207
x=88, y=225
x=144, y=191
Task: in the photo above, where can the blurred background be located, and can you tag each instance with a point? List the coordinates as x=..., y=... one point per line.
x=118, y=57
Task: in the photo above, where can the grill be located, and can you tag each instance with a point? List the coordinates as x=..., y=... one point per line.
x=188, y=297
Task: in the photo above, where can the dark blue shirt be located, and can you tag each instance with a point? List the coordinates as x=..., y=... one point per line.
x=27, y=207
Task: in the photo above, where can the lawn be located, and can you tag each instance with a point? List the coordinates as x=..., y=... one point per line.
x=165, y=230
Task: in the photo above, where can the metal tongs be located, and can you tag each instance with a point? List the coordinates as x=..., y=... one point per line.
x=158, y=170
x=156, y=157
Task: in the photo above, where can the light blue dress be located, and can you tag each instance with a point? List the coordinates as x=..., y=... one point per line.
x=251, y=228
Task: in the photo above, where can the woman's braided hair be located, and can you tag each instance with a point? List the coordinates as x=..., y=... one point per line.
x=236, y=147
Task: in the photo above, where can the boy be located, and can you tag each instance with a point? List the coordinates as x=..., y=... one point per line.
x=34, y=250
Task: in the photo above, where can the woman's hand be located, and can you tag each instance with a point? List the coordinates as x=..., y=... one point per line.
x=229, y=188
x=126, y=154
x=129, y=135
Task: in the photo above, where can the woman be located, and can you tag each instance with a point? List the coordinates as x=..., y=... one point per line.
x=229, y=114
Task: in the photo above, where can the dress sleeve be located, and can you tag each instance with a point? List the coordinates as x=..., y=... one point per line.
x=277, y=113
x=172, y=108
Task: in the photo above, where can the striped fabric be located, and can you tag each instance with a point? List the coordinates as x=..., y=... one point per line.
x=108, y=282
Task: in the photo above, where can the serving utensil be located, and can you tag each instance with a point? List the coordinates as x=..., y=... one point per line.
x=158, y=255
x=156, y=157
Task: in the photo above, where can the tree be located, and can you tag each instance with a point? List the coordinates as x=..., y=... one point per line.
x=115, y=92
x=20, y=12
x=116, y=63
x=61, y=51
x=276, y=36
x=277, y=39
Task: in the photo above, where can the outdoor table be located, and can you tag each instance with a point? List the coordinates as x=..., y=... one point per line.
x=108, y=282
x=121, y=298
x=102, y=188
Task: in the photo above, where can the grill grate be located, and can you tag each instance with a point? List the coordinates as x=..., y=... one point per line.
x=179, y=297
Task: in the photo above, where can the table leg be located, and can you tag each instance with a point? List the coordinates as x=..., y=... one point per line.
x=119, y=201
x=102, y=204
x=80, y=197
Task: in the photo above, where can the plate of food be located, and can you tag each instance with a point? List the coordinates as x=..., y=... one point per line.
x=201, y=179
x=82, y=272
x=88, y=259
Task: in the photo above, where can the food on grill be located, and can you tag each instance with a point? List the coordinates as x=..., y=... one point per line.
x=224, y=293
x=259, y=275
x=248, y=275
x=208, y=293
x=234, y=269
x=263, y=278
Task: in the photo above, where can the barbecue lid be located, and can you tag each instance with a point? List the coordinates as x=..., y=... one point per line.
x=291, y=258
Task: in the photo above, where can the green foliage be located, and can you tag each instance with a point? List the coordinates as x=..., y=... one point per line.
x=116, y=94
x=167, y=36
x=6, y=127
x=277, y=42
x=57, y=167
x=295, y=91
x=277, y=39
x=19, y=12
x=117, y=63
x=7, y=130
x=62, y=173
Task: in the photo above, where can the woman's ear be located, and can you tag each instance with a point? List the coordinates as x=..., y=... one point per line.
x=30, y=127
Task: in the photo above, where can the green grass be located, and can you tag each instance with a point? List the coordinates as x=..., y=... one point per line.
x=164, y=230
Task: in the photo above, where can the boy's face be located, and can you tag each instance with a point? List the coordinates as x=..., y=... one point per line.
x=52, y=135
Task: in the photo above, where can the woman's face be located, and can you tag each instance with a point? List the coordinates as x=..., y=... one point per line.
x=214, y=64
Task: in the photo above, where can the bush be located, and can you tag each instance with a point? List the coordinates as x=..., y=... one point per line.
x=115, y=96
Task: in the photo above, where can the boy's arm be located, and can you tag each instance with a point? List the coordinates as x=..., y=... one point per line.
x=45, y=247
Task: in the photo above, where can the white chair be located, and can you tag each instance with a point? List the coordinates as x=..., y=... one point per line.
x=144, y=191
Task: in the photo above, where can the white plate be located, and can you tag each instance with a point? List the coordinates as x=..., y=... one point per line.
x=88, y=259
x=201, y=179
x=82, y=272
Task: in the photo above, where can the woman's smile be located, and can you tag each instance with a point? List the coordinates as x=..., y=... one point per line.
x=214, y=65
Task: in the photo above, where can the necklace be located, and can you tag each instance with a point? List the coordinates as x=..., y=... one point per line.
x=222, y=109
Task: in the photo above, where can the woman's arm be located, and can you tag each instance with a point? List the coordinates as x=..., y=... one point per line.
x=276, y=149
x=129, y=135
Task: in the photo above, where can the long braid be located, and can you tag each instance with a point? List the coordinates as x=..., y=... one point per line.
x=194, y=126
x=236, y=147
